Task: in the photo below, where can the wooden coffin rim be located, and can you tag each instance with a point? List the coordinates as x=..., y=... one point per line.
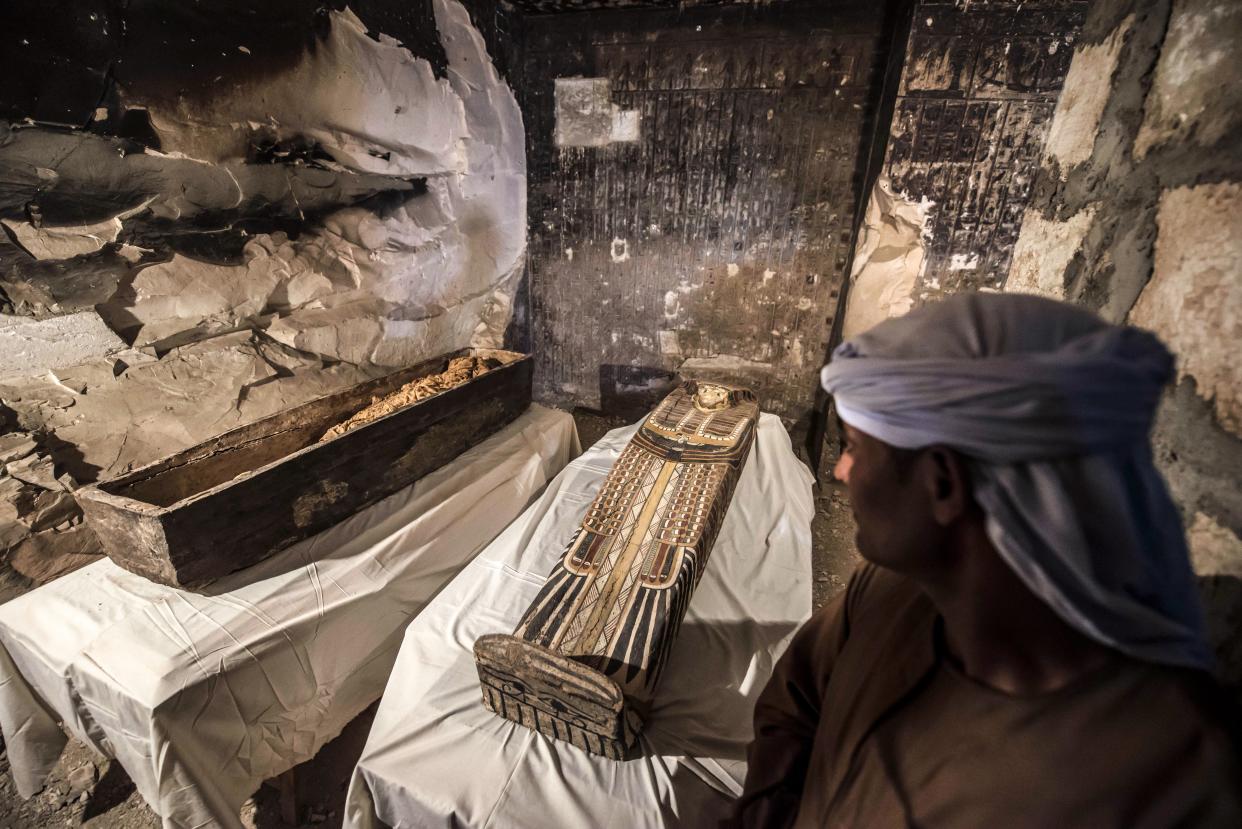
x=96, y=492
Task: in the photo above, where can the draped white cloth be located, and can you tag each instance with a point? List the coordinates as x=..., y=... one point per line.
x=437, y=758
x=202, y=696
x=1052, y=406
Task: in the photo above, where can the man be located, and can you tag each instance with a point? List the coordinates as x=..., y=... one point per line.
x=1024, y=646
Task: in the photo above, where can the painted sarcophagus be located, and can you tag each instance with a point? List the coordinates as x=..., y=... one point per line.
x=585, y=659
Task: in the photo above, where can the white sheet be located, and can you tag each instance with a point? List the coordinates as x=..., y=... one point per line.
x=436, y=757
x=202, y=697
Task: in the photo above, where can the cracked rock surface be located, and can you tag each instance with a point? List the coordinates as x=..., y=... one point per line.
x=180, y=257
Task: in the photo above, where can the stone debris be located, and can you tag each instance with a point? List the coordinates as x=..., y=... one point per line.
x=108, y=419
x=460, y=370
x=42, y=530
x=51, y=510
x=29, y=346
x=81, y=779
x=35, y=469
x=188, y=290
x=15, y=446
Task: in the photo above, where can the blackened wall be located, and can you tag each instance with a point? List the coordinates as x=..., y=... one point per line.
x=978, y=89
x=716, y=242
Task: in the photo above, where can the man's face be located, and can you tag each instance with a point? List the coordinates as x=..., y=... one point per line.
x=896, y=529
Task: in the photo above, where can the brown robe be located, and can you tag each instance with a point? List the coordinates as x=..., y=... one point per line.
x=864, y=723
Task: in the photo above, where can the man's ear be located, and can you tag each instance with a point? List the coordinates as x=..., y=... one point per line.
x=947, y=482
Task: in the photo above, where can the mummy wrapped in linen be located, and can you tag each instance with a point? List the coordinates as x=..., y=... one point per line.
x=584, y=661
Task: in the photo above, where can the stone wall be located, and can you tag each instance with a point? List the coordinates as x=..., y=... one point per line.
x=212, y=212
x=1137, y=214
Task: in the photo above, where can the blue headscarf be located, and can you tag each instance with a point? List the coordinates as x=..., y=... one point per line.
x=1052, y=408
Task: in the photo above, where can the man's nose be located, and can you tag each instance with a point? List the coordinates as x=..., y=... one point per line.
x=842, y=469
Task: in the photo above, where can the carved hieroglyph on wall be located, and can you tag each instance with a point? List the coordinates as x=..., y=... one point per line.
x=978, y=87
x=585, y=660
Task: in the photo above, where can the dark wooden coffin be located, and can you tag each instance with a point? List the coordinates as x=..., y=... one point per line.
x=236, y=499
x=584, y=662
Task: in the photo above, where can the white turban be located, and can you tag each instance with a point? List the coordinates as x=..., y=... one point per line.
x=1052, y=408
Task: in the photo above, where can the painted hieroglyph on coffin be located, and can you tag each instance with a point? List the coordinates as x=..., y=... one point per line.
x=585, y=661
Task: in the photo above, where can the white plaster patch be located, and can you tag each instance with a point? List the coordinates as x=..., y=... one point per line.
x=1043, y=252
x=768, y=273
x=797, y=355
x=132, y=253
x=670, y=345
x=1076, y=121
x=1214, y=550
x=620, y=251
x=672, y=305
x=963, y=261
x=888, y=259
x=1194, y=95
x=1194, y=298
x=625, y=126
x=587, y=117
x=29, y=346
x=731, y=269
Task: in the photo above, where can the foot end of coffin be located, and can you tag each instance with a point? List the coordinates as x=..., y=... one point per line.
x=555, y=695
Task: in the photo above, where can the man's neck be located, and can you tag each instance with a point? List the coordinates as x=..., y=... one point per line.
x=1001, y=633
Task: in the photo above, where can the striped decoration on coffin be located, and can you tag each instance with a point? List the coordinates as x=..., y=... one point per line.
x=583, y=664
